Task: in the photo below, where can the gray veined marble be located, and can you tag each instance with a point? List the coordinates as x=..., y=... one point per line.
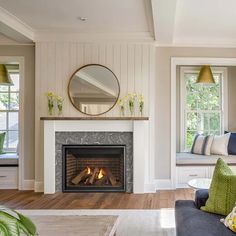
x=93, y=138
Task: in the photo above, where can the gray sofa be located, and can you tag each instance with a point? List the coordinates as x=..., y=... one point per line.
x=191, y=221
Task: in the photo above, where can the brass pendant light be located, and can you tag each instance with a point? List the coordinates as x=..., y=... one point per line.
x=4, y=76
x=205, y=76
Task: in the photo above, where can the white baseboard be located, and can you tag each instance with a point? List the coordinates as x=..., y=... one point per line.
x=150, y=188
x=163, y=184
x=28, y=184
x=38, y=186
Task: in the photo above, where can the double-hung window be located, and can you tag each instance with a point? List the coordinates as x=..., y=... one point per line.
x=9, y=112
x=202, y=107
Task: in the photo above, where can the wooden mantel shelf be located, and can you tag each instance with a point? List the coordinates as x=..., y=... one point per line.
x=94, y=118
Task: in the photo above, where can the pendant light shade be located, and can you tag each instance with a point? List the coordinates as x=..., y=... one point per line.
x=4, y=76
x=205, y=76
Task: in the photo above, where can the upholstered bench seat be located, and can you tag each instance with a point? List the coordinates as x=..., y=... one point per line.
x=186, y=158
x=9, y=159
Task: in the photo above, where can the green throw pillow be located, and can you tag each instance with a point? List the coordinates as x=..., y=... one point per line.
x=2, y=139
x=222, y=192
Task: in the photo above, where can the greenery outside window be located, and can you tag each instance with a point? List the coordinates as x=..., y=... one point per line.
x=202, y=107
x=9, y=113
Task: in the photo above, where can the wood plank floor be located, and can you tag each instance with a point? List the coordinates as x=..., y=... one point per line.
x=31, y=200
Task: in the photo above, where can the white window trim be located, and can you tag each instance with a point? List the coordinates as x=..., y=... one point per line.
x=224, y=99
x=19, y=60
x=188, y=61
x=9, y=111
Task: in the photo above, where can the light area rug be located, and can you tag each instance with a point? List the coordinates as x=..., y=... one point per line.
x=131, y=222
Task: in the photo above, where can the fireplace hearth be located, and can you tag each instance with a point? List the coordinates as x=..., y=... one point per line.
x=93, y=168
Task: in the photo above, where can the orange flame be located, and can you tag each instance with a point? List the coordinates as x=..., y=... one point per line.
x=88, y=170
x=100, y=175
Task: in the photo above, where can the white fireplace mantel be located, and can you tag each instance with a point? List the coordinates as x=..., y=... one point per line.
x=140, y=130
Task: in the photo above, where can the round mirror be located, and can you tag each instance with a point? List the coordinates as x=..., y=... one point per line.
x=93, y=89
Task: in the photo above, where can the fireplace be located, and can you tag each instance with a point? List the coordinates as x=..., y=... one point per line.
x=93, y=168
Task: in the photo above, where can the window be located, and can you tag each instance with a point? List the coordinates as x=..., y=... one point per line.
x=202, y=107
x=9, y=113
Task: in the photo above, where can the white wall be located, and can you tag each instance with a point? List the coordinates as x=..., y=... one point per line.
x=133, y=64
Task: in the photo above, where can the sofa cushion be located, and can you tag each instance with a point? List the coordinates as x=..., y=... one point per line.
x=201, y=197
x=191, y=221
x=220, y=144
x=222, y=192
x=230, y=220
x=232, y=143
x=9, y=159
x=202, y=144
x=186, y=158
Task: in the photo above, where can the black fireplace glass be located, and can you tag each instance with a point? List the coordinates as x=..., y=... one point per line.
x=93, y=168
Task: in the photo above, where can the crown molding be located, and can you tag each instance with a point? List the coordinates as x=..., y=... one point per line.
x=16, y=24
x=41, y=36
x=205, y=43
x=17, y=44
x=197, y=45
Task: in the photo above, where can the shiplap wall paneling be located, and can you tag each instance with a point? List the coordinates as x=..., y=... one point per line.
x=56, y=61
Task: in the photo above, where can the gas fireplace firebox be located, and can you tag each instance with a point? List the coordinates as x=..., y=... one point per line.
x=93, y=168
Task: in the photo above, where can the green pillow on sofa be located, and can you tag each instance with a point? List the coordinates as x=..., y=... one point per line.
x=2, y=139
x=222, y=192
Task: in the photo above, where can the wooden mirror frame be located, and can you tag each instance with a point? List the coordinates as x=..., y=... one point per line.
x=68, y=91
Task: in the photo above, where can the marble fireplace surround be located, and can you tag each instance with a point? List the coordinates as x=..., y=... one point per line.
x=54, y=136
x=96, y=138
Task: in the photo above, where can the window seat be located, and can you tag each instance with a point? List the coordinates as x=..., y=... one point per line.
x=9, y=159
x=186, y=158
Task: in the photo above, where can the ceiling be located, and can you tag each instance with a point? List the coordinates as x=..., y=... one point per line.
x=168, y=22
x=103, y=15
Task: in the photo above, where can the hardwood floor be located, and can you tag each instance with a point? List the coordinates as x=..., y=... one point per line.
x=31, y=200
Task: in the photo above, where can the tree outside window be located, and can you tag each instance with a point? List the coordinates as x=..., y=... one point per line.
x=9, y=113
x=202, y=107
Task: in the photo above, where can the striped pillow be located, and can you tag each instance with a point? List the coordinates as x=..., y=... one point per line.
x=202, y=144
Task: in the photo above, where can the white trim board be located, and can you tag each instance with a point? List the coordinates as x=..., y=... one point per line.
x=140, y=131
x=38, y=186
x=14, y=23
x=163, y=184
x=187, y=61
x=28, y=184
x=20, y=61
x=224, y=99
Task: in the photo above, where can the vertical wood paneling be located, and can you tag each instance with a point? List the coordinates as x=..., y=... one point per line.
x=130, y=79
x=124, y=70
x=44, y=83
x=59, y=69
x=138, y=74
x=116, y=70
x=102, y=54
x=65, y=75
x=95, y=53
x=79, y=55
x=87, y=54
x=145, y=76
x=72, y=67
x=56, y=61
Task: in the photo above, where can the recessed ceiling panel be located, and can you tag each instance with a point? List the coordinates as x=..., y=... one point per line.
x=205, y=20
x=103, y=15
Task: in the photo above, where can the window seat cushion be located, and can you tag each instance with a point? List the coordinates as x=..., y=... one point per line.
x=186, y=158
x=9, y=159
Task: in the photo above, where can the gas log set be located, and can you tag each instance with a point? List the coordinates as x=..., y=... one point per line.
x=96, y=177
